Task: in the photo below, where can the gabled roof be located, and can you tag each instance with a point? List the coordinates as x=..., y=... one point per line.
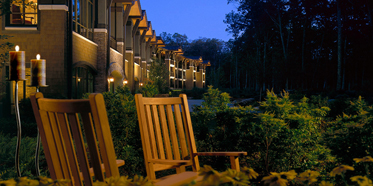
x=206, y=62
x=199, y=58
x=144, y=21
x=136, y=11
x=149, y=33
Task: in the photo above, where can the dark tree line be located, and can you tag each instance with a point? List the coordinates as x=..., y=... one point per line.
x=301, y=44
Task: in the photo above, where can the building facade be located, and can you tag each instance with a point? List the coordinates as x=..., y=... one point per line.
x=91, y=46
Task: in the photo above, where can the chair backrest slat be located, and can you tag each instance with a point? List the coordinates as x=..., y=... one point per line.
x=61, y=123
x=151, y=132
x=171, y=125
x=69, y=144
x=80, y=148
x=180, y=131
x=104, y=136
x=166, y=135
x=158, y=134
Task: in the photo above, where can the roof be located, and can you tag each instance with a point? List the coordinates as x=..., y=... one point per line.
x=194, y=57
x=172, y=48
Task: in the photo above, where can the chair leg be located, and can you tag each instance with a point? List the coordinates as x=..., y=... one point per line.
x=235, y=163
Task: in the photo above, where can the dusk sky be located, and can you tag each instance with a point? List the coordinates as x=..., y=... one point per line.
x=194, y=18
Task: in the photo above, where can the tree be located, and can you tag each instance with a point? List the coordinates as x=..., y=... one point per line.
x=159, y=75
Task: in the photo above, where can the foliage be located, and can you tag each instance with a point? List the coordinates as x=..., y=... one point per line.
x=280, y=135
x=26, y=157
x=350, y=134
x=149, y=89
x=215, y=100
x=121, y=109
x=158, y=74
x=40, y=181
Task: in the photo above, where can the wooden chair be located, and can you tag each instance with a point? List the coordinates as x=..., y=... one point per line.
x=63, y=141
x=168, y=140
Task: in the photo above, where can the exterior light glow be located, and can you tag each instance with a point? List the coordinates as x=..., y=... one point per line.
x=125, y=82
x=110, y=79
x=141, y=84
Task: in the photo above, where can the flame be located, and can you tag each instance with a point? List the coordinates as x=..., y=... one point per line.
x=17, y=48
x=38, y=57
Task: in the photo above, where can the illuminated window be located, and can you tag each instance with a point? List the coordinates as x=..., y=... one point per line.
x=83, y=18
x=23, y=13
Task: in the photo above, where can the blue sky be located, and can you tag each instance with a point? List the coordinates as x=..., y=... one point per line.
x=194, y=18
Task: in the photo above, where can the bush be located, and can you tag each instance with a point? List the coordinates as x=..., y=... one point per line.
x=26, y=157
x=281, y=135
x=350, y=135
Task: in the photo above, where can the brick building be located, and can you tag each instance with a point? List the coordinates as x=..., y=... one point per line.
x=91, y=46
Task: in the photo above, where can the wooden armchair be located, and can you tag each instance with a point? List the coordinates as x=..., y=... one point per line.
x=168, y=140
x=63, y=141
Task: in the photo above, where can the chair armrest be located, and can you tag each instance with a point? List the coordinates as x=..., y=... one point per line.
x=170, y=162
x=220, y=153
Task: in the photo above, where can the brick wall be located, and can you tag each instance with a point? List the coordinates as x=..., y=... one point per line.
x=84, y=50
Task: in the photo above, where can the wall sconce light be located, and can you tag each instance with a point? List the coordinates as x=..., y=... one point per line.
x=141, y=84
x=125, y=82
x=111, y=79
x=78, y=79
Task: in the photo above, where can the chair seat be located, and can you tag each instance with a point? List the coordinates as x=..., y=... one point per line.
x=176, y=179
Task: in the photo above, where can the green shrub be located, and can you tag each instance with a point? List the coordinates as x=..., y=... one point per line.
x=350, y=135
x=281, y=135
x=26, y=157
x=149, y=89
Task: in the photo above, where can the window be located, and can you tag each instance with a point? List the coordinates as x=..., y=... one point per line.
x=83, y=18
x=82, y=82
x=23, y=13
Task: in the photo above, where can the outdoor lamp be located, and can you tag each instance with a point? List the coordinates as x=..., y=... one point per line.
x=125, y=82
x=111, y=79
x=140, y=84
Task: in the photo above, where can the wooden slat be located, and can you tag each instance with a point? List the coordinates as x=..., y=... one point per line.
x=54, y=158
x=173, y=135
x=170, y=162
x=65, y=129
x=91, y=142
x=160, y=167
x=189, y=131
x=61, y=153
x=150, y=127
x=166, y=137
x=43, y=135
x=161, y=101
x=158, y=134
x=80, y=148
x=105, y=139
x=144, y=136
x=64, y=105
x=180, y=131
